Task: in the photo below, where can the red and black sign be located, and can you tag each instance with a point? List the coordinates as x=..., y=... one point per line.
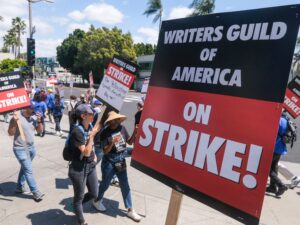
x=12, y=92
x=292, y=98
x=211, y=116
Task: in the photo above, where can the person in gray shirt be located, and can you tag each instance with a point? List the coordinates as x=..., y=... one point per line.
x=24, y=150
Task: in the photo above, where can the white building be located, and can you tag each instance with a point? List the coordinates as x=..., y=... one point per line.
x=145, y=63
x=6, y=56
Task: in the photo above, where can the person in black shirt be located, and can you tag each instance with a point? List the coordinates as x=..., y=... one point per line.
x=113, y=139
x=82, y=170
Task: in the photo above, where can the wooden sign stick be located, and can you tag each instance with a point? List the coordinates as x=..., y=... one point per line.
x=20, y=127
x=174, y=208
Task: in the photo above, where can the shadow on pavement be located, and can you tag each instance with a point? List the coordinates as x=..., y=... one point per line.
x=7, y=189
x=62, y=183
x=51, y=217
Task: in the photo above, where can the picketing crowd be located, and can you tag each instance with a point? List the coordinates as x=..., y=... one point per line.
x=96, y=136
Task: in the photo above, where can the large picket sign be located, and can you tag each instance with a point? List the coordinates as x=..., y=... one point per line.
x=116, y=82
x=211, y=115
x=12, y=92
x=292, y=98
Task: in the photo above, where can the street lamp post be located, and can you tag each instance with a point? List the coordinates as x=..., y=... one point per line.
x=31, y=31
x=30, y=14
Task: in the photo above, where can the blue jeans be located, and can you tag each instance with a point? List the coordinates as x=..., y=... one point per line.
x=108, y=171
x=25, y=173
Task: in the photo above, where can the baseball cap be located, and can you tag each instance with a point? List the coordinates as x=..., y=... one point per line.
x=82, y=96
x=97, y=102
x=83, y=108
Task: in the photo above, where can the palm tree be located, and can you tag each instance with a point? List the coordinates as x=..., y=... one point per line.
x=19, y=27
x=202, y=7
x=10, y=41
x=154, y=7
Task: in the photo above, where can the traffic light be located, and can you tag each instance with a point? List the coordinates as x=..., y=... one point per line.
x=30, y=51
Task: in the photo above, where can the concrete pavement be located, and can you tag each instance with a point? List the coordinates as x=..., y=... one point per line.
x=150, y=197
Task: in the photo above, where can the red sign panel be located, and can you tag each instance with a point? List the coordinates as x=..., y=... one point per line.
x=211, y=115
x=292, y=98
x=120, y=75
x=12, y=92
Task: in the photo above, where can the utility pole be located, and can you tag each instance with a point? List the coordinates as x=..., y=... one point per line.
x=31, y=31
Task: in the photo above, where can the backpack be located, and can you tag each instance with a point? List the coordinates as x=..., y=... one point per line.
x=68, y=151
x=290, y=135
x=72, y=114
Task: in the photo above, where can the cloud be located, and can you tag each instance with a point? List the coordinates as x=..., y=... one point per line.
x=47, y=47
x=76, y=15
x=42, y=26
x=150, y=35
x=138, y=39
x=59, y=20
x=180, y=12
x=100, y=12
x=13, y=8
x=103, y=13
x=74, y=26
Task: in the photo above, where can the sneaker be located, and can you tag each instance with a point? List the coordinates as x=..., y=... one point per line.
x=38, y=196
x=281, y=190
x=134, y=216
x=271, y=189
x=99, y=205
x=294, y=181
x=22, y=190
x=61, y=133
x=57, y=133
x=115, y=182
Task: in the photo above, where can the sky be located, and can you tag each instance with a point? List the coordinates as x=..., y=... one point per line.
x=54, y=21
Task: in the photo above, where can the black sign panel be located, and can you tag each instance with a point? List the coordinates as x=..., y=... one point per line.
x=249, y=39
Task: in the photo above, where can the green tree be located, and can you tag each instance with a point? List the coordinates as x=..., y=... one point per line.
x=19, y=26
x=8, y=65
x=144, y=49
x=154, y=8
x=68, y=50
x=99, y=46
x=202, y=7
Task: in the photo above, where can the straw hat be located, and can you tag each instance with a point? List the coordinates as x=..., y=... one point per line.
x=112, y=115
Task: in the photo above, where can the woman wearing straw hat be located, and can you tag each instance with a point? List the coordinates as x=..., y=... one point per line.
x=114, y=138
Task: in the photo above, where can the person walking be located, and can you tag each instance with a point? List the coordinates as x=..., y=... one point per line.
x=276, y=185
x=49, y=101
x=71, y=111
x=113, y=139
x=41, y=108
x=57, y=110
x=24, y=150
x=82, y=170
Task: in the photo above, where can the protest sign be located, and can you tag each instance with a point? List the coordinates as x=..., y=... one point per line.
x=214, y=100
x=145, y=86
x=292, y=98
x=12, y=92
x=116, y=82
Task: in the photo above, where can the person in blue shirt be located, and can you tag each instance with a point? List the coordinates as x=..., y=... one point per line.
x=41, y=108
x=49, y=102
x=276, y=185
x=57, y=110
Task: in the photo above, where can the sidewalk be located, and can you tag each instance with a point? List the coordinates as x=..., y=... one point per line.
x=150, y=197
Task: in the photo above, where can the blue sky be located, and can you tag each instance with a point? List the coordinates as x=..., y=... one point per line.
x=54, y=21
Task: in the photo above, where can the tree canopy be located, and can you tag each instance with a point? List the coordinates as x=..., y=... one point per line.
x=83, y=52
x=144, y=49
x=8, y=65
